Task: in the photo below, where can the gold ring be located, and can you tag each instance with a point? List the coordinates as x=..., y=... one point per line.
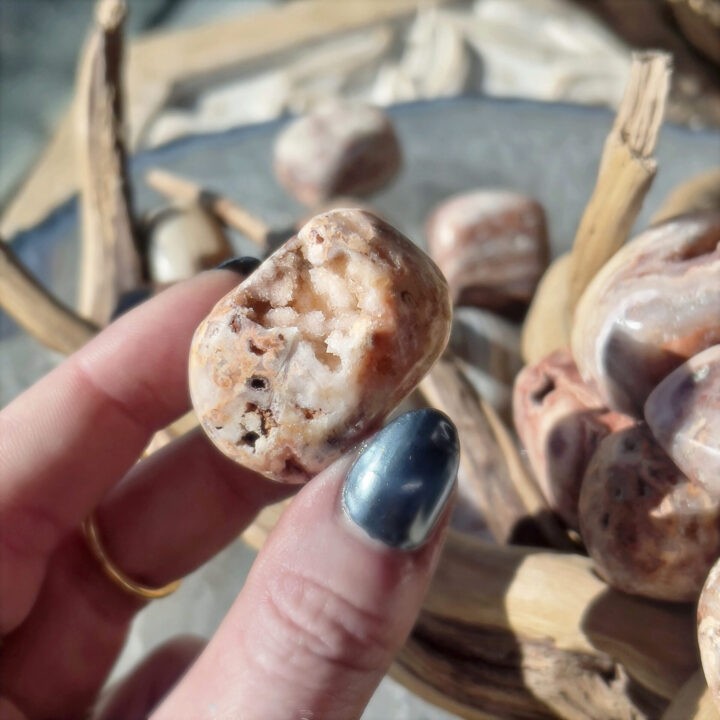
x=89, y=528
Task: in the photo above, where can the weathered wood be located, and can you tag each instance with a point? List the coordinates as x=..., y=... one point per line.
x=627, y=169
x=521, y=633
x=229, y=213
x=36, y=310
x=693, y=702
x=109, y=259
x=160, y=64
x=701, y=192
x=547, y=324
x=494, y=475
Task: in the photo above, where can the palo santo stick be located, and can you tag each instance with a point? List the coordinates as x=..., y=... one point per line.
x=58, y=327
x=699, y=193
x=507, y=497
x=517, y=632
x=37, y=311
x=547, y=324
x=693, y=702
x=225, y=210
x=626, y=172
x=110, y=264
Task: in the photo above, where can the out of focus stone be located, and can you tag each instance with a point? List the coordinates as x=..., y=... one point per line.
x=343, y=147
x=683, y=412
x=492, y=246
x=560, y=422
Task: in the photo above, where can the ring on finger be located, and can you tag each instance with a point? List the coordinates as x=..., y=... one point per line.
x=118, y=577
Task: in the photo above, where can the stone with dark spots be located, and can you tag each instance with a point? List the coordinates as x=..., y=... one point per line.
x=650, y=530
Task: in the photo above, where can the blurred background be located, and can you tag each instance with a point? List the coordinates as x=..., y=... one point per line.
x=554, y=50
x=205, y=66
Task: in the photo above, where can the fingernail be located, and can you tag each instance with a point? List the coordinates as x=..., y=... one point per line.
x=397, y=488
x=130, y=299
x=241, y=265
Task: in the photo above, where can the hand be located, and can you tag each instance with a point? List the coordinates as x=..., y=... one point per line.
x=330, y=599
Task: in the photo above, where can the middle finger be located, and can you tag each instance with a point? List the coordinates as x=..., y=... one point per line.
x=172, y=513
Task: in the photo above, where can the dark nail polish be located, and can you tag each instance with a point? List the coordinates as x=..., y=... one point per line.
x=241, y=265
x=399, y=485
x=130, y=299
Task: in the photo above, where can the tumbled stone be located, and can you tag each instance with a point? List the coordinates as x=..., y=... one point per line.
x=308, y=355
x=708, y=616
x=492, y=246
x=653, y=305
x=183, y=241
x=560, y=422
x=344, y=147
x=650, y=530
x=683, y=412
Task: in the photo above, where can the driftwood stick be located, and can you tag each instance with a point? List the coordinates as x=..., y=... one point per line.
x=693, y=702
x=229, y=213
x=547, y=323
x=110, y=263
x=37, y=311
x=502, y=489
x=626, y=172
x=701, y=192
x=58, y=327
x=516, y=633
x=160, y=63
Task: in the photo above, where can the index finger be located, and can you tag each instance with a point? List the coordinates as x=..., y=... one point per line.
x=71, y=436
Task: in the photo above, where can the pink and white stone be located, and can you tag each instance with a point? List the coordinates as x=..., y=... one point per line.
x=344, y=147
x=307, y=356
x=655, y=304
x=683, y=412
x=708, y=616
x=492, y=246
x=560, y=422
x=650, y=530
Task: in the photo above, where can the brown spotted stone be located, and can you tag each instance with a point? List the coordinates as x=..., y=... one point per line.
x=649, y=529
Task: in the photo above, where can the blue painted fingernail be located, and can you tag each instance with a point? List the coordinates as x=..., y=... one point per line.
x=241, y=265
x=397, y=488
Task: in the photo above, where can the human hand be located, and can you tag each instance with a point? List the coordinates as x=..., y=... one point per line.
x=325, y=607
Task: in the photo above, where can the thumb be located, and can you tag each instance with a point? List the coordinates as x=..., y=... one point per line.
x=335, y=591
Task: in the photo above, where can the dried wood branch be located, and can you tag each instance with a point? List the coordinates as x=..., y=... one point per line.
x=159, y=63
x=626, y=172
x=229, y=213
x=701, y=192
x=516, y=633
x=36, y=310
x=693, y=702
x=501, y=487
x=58, y=327
x=110, y=263
x=547, y=324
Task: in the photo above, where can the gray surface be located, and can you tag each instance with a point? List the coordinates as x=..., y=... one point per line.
x=39, y=45
x=548, y=151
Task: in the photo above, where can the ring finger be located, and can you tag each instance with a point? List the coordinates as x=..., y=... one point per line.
x=172, y=513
